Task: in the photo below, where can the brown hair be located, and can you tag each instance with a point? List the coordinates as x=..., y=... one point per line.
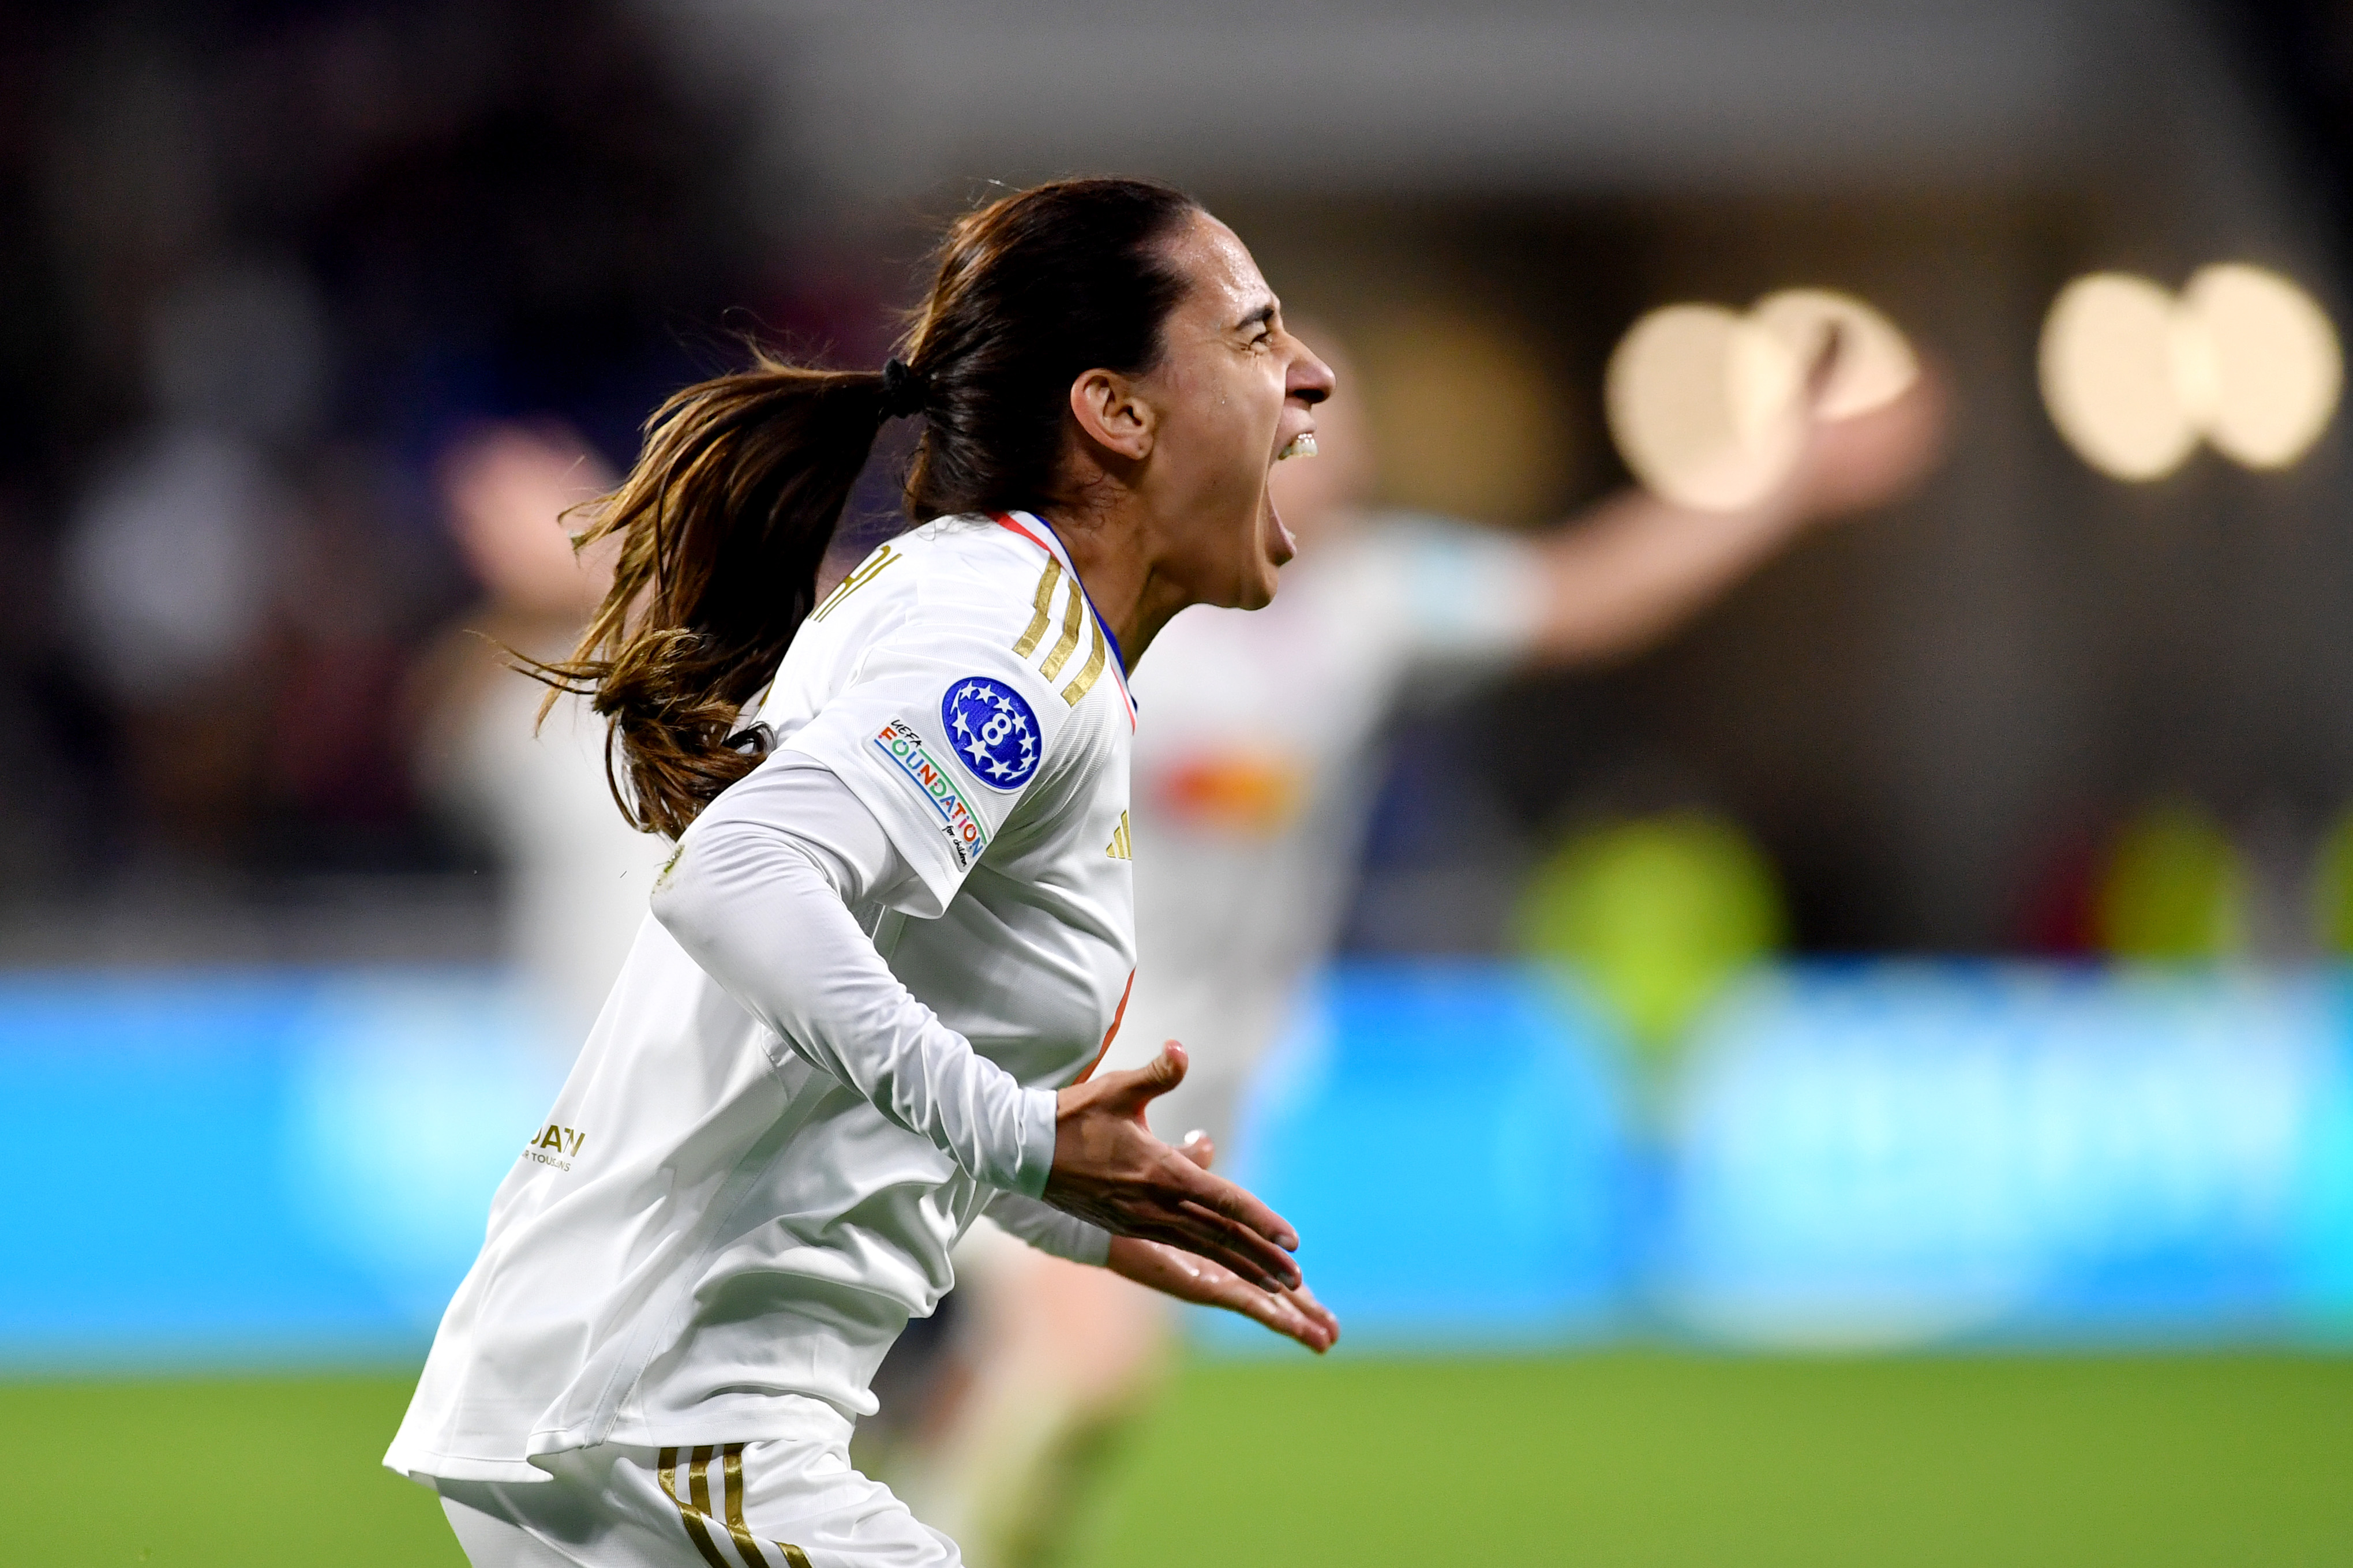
x=728, y=512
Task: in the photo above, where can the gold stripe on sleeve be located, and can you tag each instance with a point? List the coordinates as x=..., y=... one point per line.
x=865, y=574
x=1072, y=618
x=1090, y=672
x=698, y=1491
x=1045, y=607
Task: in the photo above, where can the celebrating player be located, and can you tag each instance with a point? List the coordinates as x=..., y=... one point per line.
x=897, y=934
x=1251, y=795
x=577, y=875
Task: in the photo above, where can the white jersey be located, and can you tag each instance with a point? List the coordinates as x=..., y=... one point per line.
x=739, y=1195
x=1256, y=769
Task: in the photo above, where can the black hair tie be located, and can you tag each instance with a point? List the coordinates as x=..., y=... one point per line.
x=905, y=390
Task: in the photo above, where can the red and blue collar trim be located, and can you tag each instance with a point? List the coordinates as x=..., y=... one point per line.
x=1031, y=526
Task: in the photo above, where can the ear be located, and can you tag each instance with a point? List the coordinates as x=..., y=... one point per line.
x=1114, y=415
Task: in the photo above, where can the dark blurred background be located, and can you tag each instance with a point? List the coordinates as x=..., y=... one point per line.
x=263, y=263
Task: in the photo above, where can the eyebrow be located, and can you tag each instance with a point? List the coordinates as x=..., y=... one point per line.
x=1264, y=314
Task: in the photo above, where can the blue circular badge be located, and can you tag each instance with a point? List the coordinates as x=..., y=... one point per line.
x=992, y=729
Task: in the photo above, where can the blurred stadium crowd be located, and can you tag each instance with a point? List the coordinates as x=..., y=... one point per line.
x=267, y=268
x=271, y=266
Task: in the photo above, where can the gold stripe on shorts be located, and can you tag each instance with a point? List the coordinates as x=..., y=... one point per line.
x=1045, y=607
x=1089, y=674
x=698, y=1491
x=731, y=1488
x=1068, y=643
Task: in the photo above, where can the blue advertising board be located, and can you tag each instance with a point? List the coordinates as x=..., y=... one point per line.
x=245, y=1167
x=1450, y=1142
x=295, y=1166
x=1906, y=1152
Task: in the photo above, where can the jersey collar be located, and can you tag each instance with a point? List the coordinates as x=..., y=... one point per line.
x=1040, y=532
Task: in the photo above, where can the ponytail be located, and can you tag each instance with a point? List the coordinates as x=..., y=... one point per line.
x=724, y=522
x=725, y=518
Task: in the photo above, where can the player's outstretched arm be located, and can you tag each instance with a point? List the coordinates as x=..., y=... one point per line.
x=1111, y=1171
x=1635, y=567
x=1296, y=1314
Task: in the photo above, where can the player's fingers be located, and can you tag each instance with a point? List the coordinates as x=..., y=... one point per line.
x=1269, y=1307
x=1191, y=1277
x=1304, y=1301
x=1238, y=1204
x=1316, y=1336
x=1205, y=1234
x=1199, y=1148
x=1212, y=1245
x=1165, y=1071
x=1130, y=1090
x=1283, y=1314
x=1263, y=1260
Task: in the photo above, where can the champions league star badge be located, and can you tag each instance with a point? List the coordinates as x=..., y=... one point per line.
x=992, y=731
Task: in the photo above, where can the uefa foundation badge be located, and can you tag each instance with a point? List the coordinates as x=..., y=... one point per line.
x=992, y=731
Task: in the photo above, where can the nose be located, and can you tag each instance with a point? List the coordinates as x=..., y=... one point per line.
x=1310, y=380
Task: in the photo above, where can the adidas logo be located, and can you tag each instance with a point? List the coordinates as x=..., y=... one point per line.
x=1120, y=847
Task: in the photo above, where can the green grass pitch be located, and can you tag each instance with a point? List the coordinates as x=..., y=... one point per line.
x=1617, y=1460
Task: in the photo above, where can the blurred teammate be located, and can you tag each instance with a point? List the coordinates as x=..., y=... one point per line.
x=577, y=873
x=897, y=933
x=1255, y=765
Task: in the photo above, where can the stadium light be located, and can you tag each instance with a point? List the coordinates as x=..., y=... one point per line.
x=2276, y=367
x=2133, y=376
x=1875, y=364
x=1706, y=404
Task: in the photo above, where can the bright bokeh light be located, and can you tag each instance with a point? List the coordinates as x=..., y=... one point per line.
x=1874, y=366
x=2113, y=376
x=1707, y=406
x=2272, y=360
x=1704, y=407
x=2133, y=376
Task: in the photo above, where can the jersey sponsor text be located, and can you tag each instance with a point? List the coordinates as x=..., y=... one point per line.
x=557, y=1146
x=906, y=748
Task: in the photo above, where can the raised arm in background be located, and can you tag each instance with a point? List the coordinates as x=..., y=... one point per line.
x=1625, y=574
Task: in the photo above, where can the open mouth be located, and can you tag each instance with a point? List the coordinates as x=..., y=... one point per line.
x=1282, y=544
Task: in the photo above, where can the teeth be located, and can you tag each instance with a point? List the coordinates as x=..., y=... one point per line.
x=1300, y=446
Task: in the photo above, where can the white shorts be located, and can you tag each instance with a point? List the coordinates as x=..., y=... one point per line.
x=794, y=1502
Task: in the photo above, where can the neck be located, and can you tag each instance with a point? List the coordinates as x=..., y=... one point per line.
x=1107, y=551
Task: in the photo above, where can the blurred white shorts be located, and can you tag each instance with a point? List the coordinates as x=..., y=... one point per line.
x=792, y=1502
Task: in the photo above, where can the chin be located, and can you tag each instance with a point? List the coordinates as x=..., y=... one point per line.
x=1257, y=592
x=1256, y=583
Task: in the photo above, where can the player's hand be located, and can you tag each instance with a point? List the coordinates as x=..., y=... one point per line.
x=1111, y=1171
x=1869, y=459
x=1296, y=1314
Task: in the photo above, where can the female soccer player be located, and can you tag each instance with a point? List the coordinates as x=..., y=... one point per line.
x=1250, y=801
x=897, y=932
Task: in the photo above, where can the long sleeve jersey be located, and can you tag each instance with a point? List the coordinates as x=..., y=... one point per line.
x=835, y=1039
